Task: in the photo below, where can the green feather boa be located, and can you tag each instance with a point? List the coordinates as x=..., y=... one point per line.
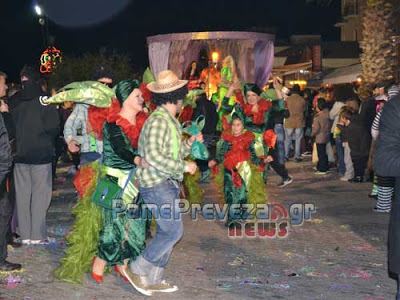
x=193, y=191
x=257, y=193
x=83, y=240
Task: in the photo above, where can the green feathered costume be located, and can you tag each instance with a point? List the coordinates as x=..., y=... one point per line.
x=242, y=177
x=256, y=122
x=96, y=231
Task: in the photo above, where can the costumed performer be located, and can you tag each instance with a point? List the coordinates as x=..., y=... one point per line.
x=95, y=232
x=242, y=178
x=258, y=115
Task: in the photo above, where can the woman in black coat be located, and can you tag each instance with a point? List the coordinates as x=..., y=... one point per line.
x=387, y=163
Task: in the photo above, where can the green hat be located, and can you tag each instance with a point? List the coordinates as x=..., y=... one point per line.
x=124, y=88
x=191, y=95
x=148, y=76
x=252, y=88
x=269, y=94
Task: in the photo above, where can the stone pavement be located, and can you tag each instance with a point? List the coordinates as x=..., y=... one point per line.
x=340, y=254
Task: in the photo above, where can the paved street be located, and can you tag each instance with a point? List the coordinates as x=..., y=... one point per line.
x=340, y=254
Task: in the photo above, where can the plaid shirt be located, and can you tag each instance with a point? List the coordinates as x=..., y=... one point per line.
x=156, y=146
x=78, y=121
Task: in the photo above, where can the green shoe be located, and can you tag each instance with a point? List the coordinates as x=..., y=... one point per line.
x=137, y=282
x=163, y=287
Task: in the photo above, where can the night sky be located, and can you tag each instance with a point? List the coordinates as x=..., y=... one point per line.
x=126, y=32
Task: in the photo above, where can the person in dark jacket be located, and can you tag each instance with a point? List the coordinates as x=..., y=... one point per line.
x=387, y=163
x=6, y=207
x=36, y=127
x=358, y=133
x=206, y=108
x=321, y=130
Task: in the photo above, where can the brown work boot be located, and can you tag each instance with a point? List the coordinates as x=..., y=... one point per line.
x=163, y=287
x=137, y=282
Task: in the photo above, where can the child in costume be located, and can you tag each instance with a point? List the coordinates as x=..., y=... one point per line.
x=242, y=178
x=258, y=115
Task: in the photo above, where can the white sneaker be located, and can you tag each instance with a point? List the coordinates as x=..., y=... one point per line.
x=25, y=242
x=344, y=178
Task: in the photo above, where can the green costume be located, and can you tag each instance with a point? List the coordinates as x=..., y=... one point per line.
x=120, y=238
x=242, y=178
x=268, y=111
x=95, y=231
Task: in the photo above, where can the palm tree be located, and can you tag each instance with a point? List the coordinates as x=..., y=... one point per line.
x=380, y=43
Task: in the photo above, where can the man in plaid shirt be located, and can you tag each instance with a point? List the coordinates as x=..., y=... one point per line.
x=161, y=146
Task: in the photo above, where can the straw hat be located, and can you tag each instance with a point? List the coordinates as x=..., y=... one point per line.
x=166, y=81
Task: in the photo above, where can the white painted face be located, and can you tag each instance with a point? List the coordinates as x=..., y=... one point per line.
x=134, y=101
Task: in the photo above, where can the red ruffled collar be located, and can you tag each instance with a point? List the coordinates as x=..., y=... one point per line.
x=258, y=117
x=239, y=153
x=246, y=138
x=132, y=131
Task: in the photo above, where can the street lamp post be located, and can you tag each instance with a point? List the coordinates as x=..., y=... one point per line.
x=43, y=23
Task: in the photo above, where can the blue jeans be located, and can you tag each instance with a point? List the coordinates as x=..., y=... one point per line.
x=340, y=154
x=150, y=264
x=298, y=135
x=280, y=143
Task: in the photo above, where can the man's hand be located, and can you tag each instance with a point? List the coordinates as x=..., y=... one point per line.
x=197, y=137
x=73, y=146
x=191, y=167
x=211, y=163
x=142, y=162
x=268, y=159
x=3, y=106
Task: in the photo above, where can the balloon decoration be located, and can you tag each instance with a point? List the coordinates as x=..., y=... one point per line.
x=49, y=59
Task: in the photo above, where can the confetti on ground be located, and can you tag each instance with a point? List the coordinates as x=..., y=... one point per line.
x=361, y=248
x=335, y=287
x=316, y=221
x=255, y=282
x=237, y=262
x=281, y=286
x=12, y=272
x=377, y=265
x=224, y=286
x=12, y=281
x=357, y=273
x=317, y=274
x=307, y=270
x=200, y=269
